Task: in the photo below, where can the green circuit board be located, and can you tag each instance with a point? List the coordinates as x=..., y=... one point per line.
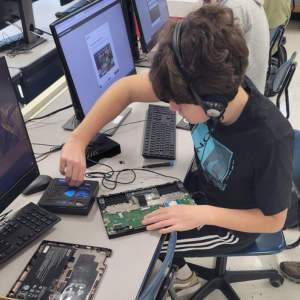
x=132, y=218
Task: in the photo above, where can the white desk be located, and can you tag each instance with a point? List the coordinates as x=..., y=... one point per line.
x=132, y=254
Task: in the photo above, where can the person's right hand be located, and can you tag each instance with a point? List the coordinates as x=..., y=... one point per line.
x=72, y=161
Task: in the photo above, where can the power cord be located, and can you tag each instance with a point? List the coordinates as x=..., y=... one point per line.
x=44, y=155
x=106, y=176
x=2, y=217
x=123, y=125
x=50, y=114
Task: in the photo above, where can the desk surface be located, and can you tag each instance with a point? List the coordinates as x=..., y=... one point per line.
x=44, y=14
x=132, y=254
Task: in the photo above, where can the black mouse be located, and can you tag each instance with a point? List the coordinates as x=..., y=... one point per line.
x=38, y=185
x=59, y=14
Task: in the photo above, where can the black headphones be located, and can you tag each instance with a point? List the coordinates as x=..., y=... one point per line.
x=213, y=105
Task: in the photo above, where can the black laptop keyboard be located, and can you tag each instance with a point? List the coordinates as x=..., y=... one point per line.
x=22, y=227
x=160, y=133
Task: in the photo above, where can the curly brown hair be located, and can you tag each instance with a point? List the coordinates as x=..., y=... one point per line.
x=214, y=55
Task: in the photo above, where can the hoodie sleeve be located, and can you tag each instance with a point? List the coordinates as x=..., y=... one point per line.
x=240, y=14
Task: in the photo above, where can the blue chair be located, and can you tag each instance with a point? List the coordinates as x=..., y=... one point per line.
x=163, y=279
x=282, y=81
x=265, y=244
x=277, y=56
x=276, y=36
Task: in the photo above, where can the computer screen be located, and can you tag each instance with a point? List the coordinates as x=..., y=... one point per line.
x=95, y=51
x=14, y=10
x=9, y=11
x=18, y=165
x=151, y=15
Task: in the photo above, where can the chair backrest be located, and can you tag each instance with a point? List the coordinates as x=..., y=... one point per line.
x=282, y=73
x=40, y=74
x=276, y=35
x=153, y=287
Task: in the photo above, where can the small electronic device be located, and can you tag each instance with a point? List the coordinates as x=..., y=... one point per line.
x=60, y=271
x=123, y=213
x=59, y=197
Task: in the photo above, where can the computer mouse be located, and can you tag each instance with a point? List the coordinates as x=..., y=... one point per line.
x=59, y=14
x=38, y=185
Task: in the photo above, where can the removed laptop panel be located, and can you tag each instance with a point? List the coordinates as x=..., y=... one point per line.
x=122, y=213
x=60, y=271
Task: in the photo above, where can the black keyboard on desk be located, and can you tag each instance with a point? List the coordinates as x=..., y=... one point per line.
x=11, y=41
x=22, y=227
x=76, y=6
x=160, y=133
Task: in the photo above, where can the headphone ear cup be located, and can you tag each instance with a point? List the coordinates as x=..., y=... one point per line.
x=214, y=109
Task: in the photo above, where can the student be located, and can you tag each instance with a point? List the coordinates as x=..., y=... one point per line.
x=243, y=144
x=251, y=17
x=277, y=12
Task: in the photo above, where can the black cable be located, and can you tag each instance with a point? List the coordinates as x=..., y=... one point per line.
x=140, y=59
x=106, y=176
x=43, y=31
x=55, y=148
x=2, y=217
x=50, y=114
x=123, y=125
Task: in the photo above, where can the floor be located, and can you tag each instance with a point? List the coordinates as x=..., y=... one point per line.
x=261, y=289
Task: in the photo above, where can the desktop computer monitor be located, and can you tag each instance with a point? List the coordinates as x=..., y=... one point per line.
x=18, y=167
x=150, y=16
x=14, y=10
x=95, y=52
x=9, y=12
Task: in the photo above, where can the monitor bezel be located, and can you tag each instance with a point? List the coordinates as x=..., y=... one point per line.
x=145, y=47
x=72, y=89
x=17, y=189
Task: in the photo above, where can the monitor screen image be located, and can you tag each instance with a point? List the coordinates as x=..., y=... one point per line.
x=95, y=51
x=18, y=167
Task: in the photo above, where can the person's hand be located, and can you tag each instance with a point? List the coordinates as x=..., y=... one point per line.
x=177, y=217
x=72, y=161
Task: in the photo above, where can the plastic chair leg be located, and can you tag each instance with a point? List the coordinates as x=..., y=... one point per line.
x=240, y=276
x=287, y=103
x=217, y=283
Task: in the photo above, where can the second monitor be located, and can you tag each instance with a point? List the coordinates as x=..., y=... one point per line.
x=150, y=16
x=95, y=52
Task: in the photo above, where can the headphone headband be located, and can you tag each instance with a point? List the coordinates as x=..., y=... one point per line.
x=213, y=105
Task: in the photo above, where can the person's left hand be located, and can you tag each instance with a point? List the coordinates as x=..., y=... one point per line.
x=177, y=217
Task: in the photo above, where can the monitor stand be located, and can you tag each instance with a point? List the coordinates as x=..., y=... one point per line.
x=108, y=129
x=145, y=62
